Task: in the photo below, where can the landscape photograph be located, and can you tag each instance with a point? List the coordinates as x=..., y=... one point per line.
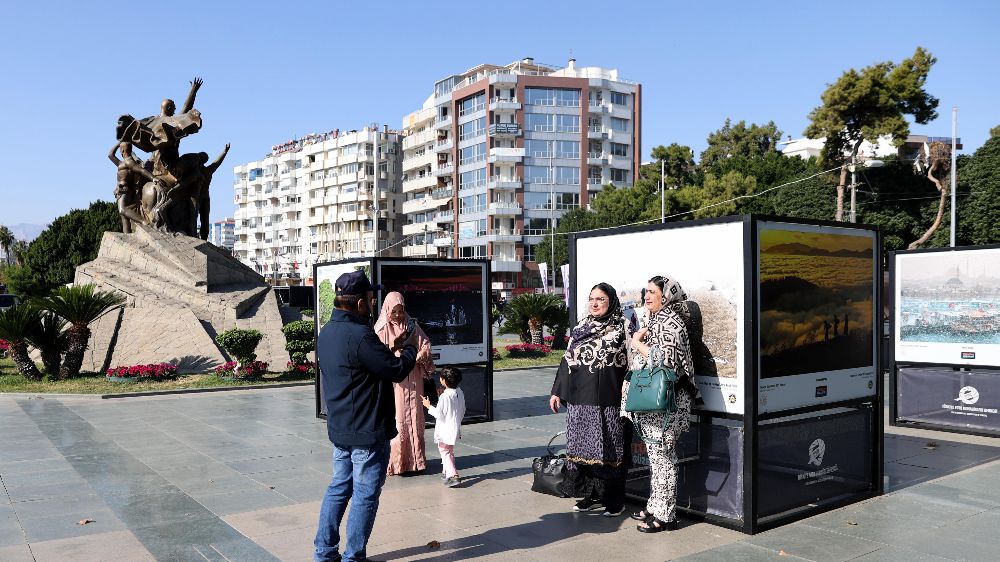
x=816, y=301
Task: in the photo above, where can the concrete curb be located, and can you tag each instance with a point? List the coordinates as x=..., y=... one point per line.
x=525, y=368
x=43, y=396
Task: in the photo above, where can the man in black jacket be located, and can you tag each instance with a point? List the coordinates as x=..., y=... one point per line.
x=357, y=372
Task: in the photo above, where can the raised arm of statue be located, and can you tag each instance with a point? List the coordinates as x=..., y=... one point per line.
x=211, y=168
x=111, y=156
x=189, y=102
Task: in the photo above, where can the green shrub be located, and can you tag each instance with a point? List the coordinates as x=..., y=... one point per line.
x=299, y=340
x=240, y=344
x=308, y=312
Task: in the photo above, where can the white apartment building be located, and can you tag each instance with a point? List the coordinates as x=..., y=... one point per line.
x=496, y=154
x=223, y=233
x=312, y=200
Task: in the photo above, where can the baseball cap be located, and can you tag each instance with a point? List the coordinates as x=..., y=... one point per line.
x=354, y=283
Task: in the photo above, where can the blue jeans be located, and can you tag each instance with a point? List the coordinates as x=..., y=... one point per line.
x=358, y=476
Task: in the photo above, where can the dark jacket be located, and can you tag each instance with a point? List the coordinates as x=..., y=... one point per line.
x=356, y=372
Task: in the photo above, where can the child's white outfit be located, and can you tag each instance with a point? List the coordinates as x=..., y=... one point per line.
x=448, y=416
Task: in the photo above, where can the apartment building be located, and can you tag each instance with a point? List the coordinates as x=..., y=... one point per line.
x=498, y=153
x=223, y=233
x=313, y=199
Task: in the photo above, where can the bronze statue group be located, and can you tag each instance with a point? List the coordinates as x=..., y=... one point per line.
x=169, y=191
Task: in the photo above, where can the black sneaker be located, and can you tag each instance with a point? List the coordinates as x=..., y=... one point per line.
x=588, y=504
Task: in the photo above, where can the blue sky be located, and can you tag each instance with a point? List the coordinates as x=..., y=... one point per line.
x=276, y=70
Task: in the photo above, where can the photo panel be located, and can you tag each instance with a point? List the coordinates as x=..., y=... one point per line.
x=448, y=301
x=326, y=277
x=948, y=307
x=816, y=314
x=707, y=261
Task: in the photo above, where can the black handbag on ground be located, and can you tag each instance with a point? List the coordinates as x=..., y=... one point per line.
x=551, y=473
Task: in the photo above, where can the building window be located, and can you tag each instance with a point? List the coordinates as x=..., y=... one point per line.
x=472, y=105
x=618, y=175
x=568, y=123
x=567, y=175
x=619, y=125
x=539, y=122
x=472, y=204
x=536, y=200
x=618, y=98
x=529, y=252
x=536, y=174
x=472, y=252
x=568, y=149
x=536, y=227
x=537, y=148
x=475, y=178
x=566, y=201
x=472, y=129
x=471, y=229
x=619, y=149
x=474, y=153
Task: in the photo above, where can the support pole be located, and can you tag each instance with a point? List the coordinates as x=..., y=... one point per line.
x=954, y=145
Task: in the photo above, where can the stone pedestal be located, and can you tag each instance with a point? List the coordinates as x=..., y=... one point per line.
x=181, y=292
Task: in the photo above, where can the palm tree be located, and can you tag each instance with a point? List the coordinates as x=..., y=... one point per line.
x=6, y=241
x=50, y=338
x=18, y=250
x=536, y=307
x=80, y=306
x=15, y=325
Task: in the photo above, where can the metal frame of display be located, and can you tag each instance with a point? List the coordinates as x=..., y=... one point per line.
x=894, y=420
x=373, y=262
x=750, y=420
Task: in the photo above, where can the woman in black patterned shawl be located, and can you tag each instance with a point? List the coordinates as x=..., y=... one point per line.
x=589, y=381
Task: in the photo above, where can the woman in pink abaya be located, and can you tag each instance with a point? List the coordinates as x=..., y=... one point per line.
x=408, y=447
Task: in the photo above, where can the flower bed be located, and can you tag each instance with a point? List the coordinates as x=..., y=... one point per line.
x=307, y=368
x=249, y=371
x=496, y=354
x=527, y=350
x=151, y=372
x=549, y=340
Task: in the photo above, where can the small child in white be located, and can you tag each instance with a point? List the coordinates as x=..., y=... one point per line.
x=448, y=416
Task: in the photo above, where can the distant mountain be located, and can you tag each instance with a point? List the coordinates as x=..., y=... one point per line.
x=797, y=249
x=26, y=232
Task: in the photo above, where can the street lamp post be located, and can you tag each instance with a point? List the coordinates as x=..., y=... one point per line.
x=954, y=144
x=663, y=192
x=375, y=193
x=552, y=224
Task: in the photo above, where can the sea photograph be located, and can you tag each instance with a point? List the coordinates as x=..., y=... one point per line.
x=947, y=297
x=816, y=302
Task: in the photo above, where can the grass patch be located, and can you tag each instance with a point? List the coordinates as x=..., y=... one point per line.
x=96, y=383
x=505, y=362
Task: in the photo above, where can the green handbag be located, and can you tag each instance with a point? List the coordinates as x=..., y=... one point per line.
x=652, y=390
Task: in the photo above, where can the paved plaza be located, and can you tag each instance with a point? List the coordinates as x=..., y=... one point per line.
x=238, y=476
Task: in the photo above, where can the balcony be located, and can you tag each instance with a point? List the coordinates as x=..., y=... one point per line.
x=505, y=264
x=597, y=159
x=442, y=194
x=444, y=217
x=503, y=77
x=419, y=205
x=506, y=155
x=597, y=133
x=504, y=208
x=445, y=169
x=443, y=122
x=416, y=184
x=621, y=111
x=503, y=236
x=503, y=182
x=443, y=241
x=444, y=145
x=599, y=108
x=418, y=228
x=505, y=130
x=504, y=105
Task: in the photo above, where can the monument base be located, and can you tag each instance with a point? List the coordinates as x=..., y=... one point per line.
x=181, y=292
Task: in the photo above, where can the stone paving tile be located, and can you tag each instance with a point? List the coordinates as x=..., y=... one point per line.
x=738, y=552
x=111, y=546
x=814, y=544
x=17, y=553
x=259, y=523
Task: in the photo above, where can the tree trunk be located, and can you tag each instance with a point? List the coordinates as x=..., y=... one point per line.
x=51, y=360
x=943, y=189
x=23, y=362
x=535, y=327
x=79, y=337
